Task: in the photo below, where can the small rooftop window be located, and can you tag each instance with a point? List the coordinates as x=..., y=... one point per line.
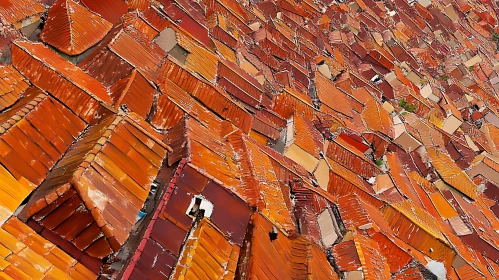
x=200, y=206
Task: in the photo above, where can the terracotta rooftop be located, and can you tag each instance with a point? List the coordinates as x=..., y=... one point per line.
x=232, y=139
x=72, y=29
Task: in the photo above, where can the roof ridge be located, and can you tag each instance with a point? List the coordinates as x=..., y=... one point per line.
x=97, y=147
x=22, y=112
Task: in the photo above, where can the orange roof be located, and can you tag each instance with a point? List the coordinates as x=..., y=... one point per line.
x=111, y=10
x=374, y=265
x=135, y=92
x=351, y=158
x=73, y=29
x=133, y=47
x=12, y=84
x=12, y=193
x=399, y=176
x=377, y=118
x=283, y=258
x=106, y=175
x=175, y=76
x=292, y=101
x=451, y=173
x=26, y=255
x=207, y=254
x=307, y=136
x=261, y=183
x=68, y=83
x=32, y=138
x=331, y=96
x=419, y=229
x=199, y=59
x=14, y=11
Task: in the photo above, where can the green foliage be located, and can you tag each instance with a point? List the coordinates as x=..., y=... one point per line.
x=402, y=102
x=444, y=77
x=470, y=68
x=495, y=37
x=410, y=107
x=407, y=106
x=379, y=162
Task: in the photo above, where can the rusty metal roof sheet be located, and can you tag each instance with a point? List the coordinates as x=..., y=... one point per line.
x=110, y=10
x=14, y=11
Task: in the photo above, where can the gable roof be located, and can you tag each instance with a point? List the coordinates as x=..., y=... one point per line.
x=109, y=172
x=44, y=68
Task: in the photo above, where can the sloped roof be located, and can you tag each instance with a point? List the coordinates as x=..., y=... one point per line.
x=106, y=174
x=12, y=85
x=31, y=137
x=59, y=77
x=207, y=254
x=13, y=11
x=72, y=29
x=27, y=255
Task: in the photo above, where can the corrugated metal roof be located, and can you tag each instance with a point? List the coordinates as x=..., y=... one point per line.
x=111, y=10
x=73, y=29
x=50, y=72
x=14, y=11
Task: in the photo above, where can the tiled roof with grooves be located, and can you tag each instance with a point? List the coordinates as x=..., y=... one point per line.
x=331, y=96
x=374, y=265
x=207, y=254
x=12, y=85
x=212, y=97
x=111, y=168
x=136, y=93
x=282, y=258
x=27, y=255
x=268, y=195
x=307, y=136
x=134, y=47
x=350, y=157
x=68, y=83
x=73, y=29
x=32, y=139
x=451, y=173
